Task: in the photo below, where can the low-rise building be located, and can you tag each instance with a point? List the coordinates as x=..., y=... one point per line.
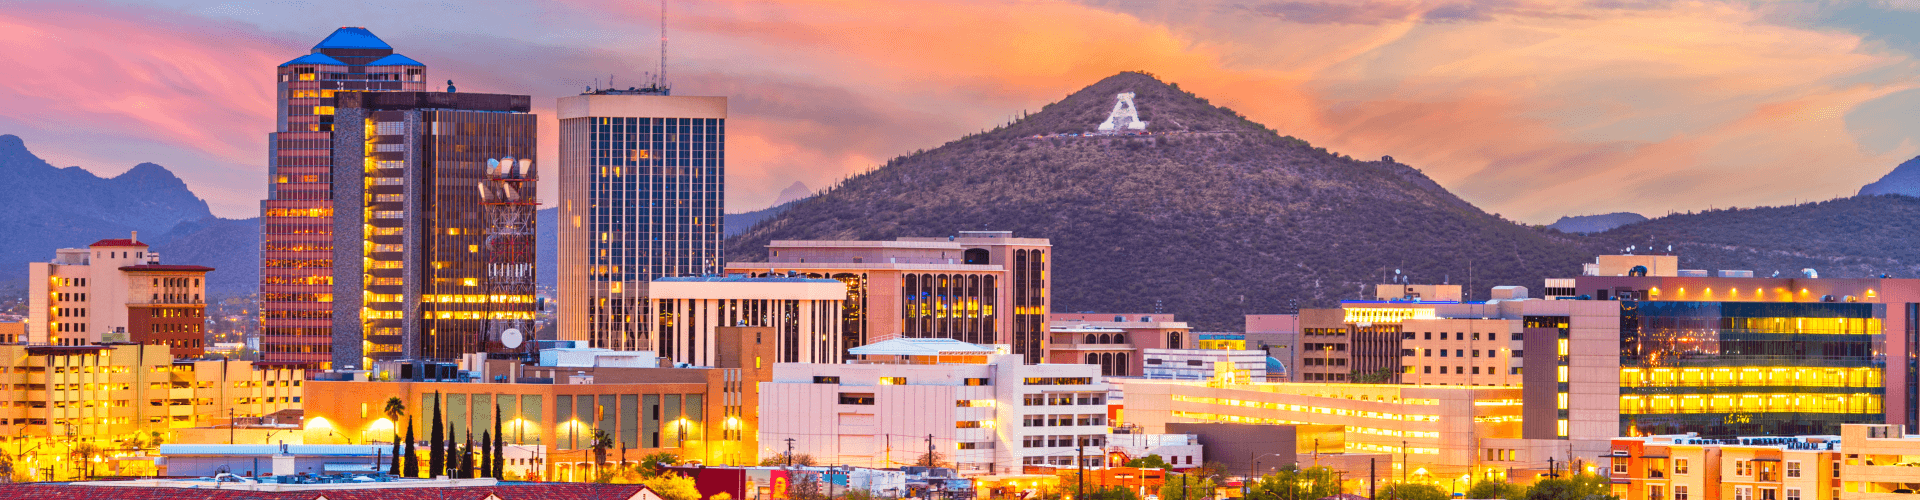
x=1113, y=341
x=979, y=408
x=115, y=290
x=1204, y=364
x=803, y=313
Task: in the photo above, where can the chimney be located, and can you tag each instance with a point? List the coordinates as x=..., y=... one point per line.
x=136, y=237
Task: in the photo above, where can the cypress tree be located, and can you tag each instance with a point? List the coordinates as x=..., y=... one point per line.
x=486, y=454
x=466, y=458
x=436, y=442
x=499, y=445
x=413, y=461
x=395, y=469
x=453, y=456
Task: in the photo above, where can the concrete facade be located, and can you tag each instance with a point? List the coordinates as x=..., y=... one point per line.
x=116, y=291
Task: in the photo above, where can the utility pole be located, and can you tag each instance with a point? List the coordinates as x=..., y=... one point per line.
x=1370, y=477
x=1552, y=472
x=930, y=463
x=1316, y=452
x=789, y=452
x=230, y=425
x=1080, y=458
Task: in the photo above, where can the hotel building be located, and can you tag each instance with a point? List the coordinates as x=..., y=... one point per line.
x=116, y=291
x=642, y=196
x=980, y=287
x=433, y=231
x=803, y=313
x=297, y=222
x=985, y=411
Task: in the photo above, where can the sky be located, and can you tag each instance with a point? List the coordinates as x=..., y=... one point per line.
x=1532, y=109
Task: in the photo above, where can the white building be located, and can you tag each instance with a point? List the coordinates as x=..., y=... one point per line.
x=1204, y=364
x=805, y=312
x=115, y=290
x=981, y=409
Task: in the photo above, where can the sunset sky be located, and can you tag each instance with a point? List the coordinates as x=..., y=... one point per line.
x=1531, y=109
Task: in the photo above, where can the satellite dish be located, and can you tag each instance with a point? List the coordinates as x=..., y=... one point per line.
x=511, y=338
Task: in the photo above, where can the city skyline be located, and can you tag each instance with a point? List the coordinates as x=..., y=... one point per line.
x=1722, y=104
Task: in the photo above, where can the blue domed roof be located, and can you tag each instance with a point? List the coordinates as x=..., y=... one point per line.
x=352, y=38
x=313, y=59
x=395, y=60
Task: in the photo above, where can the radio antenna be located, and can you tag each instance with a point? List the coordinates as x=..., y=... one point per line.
x=663, y=43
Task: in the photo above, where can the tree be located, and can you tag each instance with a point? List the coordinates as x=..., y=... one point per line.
x=780, y=459
x=436, y=442
x=804, y=486
x=1578, y=487
x=1149, y=462
x=602, y=441
x=413, y=459
x=466, y=458
x=1293, y=483
x=1414, y=491
x=395, y=470
x=931, y=459
x=486, y=454
x=453, y=456
x=1187, y=488
x=1494, y=488
x=395, y=409
x=499, y=445
x=1113, y=493
x=654, y=464
x=673, y=487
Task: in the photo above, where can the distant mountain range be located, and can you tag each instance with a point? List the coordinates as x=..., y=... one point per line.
x=1595, y=223
x=50, y=207
x=1903, y=180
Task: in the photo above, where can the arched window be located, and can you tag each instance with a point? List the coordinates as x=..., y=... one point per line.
x=1119, y=338
x=1106, y=363
x=1173, y=340
x=1120, y=366
x=1106, y=339
x=1092, y=340
x=976, y=256
x=1093, y=358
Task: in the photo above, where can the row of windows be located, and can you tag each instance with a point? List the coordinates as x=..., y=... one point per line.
x=1063, y=420
x=1460, y=370
x=1092, y=440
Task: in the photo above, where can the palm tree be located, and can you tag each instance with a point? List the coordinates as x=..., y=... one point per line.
x=601, y=442
x=395, y=409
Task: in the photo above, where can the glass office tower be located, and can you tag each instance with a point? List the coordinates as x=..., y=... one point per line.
x=423, y=180
x=642, y=196
x=296, y=223
x=1750, y=368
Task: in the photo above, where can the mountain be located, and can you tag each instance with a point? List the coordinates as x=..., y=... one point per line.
x=1209, y=215
x=1904, y=179
x=1595, y=223
x=230, y=246
x=792, y=194
x=1855, y=237
x=741, y=222
x=50, y=207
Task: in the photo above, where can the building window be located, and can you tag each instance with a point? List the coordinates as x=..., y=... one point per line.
x=1620, y=468
x=1034, y=400
x=1743, y=493
x=1793, y=468
x=1793, y=493
x=826, y=380
x=856, y=398
x=979, y=381
x=893, y=381
x=1742, y=468
x=1767, y=494
x=1679, y=467
x=1679, y=492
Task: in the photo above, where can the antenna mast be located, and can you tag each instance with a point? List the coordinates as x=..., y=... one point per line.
x=663, y=43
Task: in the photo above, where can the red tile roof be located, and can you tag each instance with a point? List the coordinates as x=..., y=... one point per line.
x=121, y=242
x=166, y=267
x=505, y=491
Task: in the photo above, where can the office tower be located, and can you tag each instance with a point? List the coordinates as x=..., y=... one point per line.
x=432, y=236
x=296, y=261
x=642, y=179
x=116, y=291
x=956, y=287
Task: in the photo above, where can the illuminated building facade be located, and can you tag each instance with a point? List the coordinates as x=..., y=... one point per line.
x=116, y=291
x=981, y=287
x=704, y=414
x=1115, y=341
x=417, y=264
x=804, y=314
x=296, y=223
x=112, y=391
x=1677, y=467
x=642, y=196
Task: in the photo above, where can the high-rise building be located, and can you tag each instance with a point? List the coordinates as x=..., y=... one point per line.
x=642, y=180
x=116, y=291
x=296, y=223
x=980, y=287
x=432, y=229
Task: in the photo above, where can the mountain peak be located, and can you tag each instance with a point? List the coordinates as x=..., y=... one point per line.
x=791, y=193
x=1164, y=106
x=1904, y=179
x=149, y=173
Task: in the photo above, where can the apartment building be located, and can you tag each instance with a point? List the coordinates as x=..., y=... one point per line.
x=113, y=391
x=804, y=314
x=1688, y=467
x=981, y=287
x=981, y=408
x=116, y=290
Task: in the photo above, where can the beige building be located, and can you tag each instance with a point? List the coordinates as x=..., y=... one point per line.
x=1114, y=341
x=804, y=314
x=979, y=287
x=116, y=291
x=1864, y=462
x=111, y=390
